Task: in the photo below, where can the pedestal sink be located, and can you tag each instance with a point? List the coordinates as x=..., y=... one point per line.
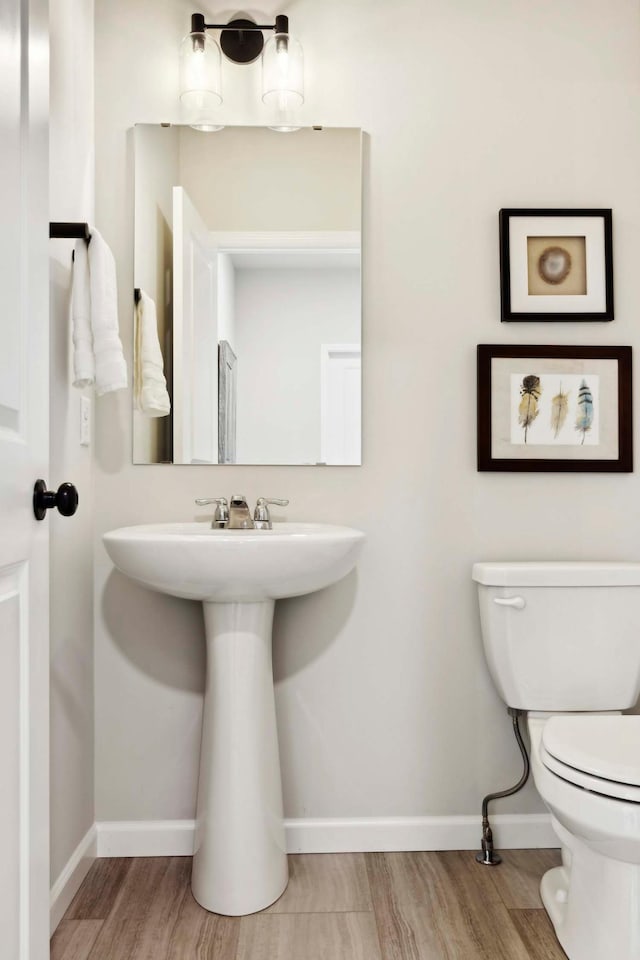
x=240, y=863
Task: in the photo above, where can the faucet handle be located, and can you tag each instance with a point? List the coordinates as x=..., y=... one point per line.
x=261, y=514
x=221, y=515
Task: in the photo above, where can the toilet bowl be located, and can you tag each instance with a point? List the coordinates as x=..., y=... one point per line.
x=562, y=642
x=593, y=899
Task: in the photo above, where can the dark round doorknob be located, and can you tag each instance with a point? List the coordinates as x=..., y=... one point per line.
x=65, y=499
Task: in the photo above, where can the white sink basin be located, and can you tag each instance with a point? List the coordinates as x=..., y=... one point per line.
x=239, y=861
x=193, y=561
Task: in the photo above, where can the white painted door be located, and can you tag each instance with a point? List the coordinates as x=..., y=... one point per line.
x=340, y=403
x=195, y=336
x=24, y=575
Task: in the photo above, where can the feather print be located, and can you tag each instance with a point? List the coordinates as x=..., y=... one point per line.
x=530, y=391
x=559, y=411
x=584, y=419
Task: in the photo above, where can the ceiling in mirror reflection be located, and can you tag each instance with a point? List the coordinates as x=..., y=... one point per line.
x=248, y=242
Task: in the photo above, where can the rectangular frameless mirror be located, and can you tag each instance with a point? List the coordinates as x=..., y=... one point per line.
x=248, y=243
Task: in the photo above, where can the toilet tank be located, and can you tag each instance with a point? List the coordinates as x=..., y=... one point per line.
x=562, y=636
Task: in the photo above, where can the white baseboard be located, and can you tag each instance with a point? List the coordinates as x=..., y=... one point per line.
x=68, y=883
x=145, y=838
x=510, y=831
x=174, y=838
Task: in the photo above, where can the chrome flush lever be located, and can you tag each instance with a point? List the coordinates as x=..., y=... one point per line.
x=221, y=515
x=261, y=515
x=518, y=603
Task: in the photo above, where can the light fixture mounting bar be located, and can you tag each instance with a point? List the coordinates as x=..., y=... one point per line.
x=241, y=40
x=229, y=26
x=198, y=24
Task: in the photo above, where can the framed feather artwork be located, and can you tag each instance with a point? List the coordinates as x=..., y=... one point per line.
x=561, y=409
x=556, y=264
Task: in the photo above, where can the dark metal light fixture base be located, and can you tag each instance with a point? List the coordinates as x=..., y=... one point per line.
x=242, y=45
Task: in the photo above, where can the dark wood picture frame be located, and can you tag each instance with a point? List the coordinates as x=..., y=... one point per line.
x=486, y=353
x=510, y=312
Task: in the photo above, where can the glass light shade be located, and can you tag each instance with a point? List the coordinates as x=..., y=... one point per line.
x=283, y=73
x=200, y=83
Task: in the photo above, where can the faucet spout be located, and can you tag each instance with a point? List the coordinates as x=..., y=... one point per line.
x=239, y=515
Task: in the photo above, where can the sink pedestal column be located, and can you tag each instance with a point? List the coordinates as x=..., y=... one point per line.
x=240, y=862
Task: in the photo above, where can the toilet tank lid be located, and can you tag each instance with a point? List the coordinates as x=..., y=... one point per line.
x=555, y=573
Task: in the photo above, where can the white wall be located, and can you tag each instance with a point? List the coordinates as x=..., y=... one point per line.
x=282, y=318
x=384, y=703
x=71, y=198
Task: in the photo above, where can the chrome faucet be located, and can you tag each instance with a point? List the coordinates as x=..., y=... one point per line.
x=239, y=516
x=236, y=516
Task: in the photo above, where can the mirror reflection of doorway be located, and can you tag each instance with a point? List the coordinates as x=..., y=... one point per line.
x=273, y=300
x=340, y=403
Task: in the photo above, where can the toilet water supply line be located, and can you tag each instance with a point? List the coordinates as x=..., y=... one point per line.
x=488, y=856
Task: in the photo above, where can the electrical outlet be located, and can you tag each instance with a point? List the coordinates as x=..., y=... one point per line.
x=85, y=421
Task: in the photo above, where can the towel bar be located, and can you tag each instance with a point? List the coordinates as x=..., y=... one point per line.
x=73, y=231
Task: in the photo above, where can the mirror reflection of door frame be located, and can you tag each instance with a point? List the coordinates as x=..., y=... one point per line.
x=336, y=359
x=195, y=322
x=272, y=241
x=226, y=403
x=257, y=244
x=199, y=253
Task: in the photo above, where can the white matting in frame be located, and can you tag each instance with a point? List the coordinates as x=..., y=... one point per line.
x=593, y=231
x=604, y=442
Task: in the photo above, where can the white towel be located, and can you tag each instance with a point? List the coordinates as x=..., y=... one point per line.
x=94, y=280
x=111, y=369
x=84, y=369
x=150, y=386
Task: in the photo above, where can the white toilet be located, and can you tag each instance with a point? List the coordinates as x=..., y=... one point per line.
x=562, y=641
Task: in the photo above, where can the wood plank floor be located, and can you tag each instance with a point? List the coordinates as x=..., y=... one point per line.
x=352, y=906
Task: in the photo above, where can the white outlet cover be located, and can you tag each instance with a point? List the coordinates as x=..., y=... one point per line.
x=85, y=421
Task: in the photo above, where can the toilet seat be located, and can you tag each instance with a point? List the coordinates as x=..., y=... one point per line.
x=597, y=753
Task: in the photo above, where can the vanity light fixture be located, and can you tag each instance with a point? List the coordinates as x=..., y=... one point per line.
x=242, y=41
